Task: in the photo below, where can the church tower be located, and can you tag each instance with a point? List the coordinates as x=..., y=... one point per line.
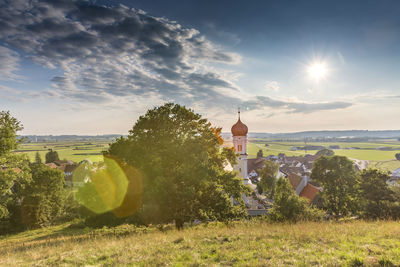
x=239, y=132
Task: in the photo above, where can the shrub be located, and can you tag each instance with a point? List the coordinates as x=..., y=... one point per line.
x=289, y=207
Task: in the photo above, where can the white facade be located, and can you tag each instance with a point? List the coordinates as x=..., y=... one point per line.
x=240, y=144
x=396, y=173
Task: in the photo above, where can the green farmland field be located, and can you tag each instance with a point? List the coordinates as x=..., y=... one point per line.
x=381, y=159
x=75, y=151
x=78, y=151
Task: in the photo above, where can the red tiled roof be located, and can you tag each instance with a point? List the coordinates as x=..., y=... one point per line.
x=51, y=165
x=309, y=192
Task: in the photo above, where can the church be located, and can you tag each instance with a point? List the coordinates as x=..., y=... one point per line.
x=239, y=134
x=299, y=181
x=255, y=207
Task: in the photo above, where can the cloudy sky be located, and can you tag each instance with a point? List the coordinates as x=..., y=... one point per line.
x=93, y=67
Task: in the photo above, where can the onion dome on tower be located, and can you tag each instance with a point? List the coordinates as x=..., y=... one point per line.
x=239, y=128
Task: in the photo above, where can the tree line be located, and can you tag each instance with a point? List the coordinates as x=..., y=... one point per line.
x=345, y=192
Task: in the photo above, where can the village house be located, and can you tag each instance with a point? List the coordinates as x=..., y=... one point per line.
x=394, y=178
x=66, y=166
x=296, y=169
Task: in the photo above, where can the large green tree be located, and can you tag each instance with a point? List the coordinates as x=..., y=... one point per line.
x=268, y=178
x=38, y=158
x=9, y=126
x=51, y=156
x=44, y=197
x=339, y=181
x=179, y=154
x=14, y=177
x=378, y=200
x=14, y=169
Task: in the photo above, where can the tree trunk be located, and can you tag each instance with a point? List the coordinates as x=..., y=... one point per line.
x=179, y=224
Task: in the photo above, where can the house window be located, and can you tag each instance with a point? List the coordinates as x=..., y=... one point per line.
x=239, y=147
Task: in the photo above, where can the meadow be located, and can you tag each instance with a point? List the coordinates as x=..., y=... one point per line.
x=78, y=151
x=243, y=243
x=381, y=159
x=69, y=150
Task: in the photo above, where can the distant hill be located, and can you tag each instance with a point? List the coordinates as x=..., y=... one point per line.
x=312, y=135
x=59, y=138
x=351, y=134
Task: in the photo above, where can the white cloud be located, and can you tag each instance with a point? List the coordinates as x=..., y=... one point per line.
x=272, y=85
x=9, y=63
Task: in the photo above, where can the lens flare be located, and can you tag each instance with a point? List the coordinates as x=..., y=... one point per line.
x=101, y=188
x=133, y=198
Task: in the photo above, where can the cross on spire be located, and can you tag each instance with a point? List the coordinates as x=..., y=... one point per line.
x=239, y=112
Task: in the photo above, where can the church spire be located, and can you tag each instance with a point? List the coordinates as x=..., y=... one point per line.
x=239, y=128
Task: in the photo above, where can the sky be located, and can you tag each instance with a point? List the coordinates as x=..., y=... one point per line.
x=93, y=67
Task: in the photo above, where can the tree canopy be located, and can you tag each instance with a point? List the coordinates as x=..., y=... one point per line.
x=179, y=154
x=14, y=177
x=338, y=178
x=52, y=156
x=9, y=126
x=325, y=152
x=44, y=197
x=290, y=207
x=267, y=178
x=378, y=200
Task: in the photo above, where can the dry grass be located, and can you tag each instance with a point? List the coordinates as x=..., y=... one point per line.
x=251, y=243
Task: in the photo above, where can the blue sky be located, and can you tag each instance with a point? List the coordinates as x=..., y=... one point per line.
x=93, y=67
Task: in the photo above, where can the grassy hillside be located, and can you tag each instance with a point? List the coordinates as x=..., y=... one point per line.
x=249, y=243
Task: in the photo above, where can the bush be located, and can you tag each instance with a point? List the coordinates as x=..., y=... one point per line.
x=289, y=207
x=325, y=152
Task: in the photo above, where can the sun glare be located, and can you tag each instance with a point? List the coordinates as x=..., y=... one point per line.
x=317, y=71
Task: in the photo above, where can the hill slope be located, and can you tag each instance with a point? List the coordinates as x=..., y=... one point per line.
x=241, y=244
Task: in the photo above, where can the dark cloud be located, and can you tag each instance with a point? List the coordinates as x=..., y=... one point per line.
x=109, y=52
x=115, y=51
x=207, y=79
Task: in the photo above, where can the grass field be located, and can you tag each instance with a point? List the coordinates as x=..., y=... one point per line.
x=78, y=151
x=248, y=243
x=75, y=151
x=384, y=160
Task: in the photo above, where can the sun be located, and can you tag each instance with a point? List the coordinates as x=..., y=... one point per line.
x=317, y=71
